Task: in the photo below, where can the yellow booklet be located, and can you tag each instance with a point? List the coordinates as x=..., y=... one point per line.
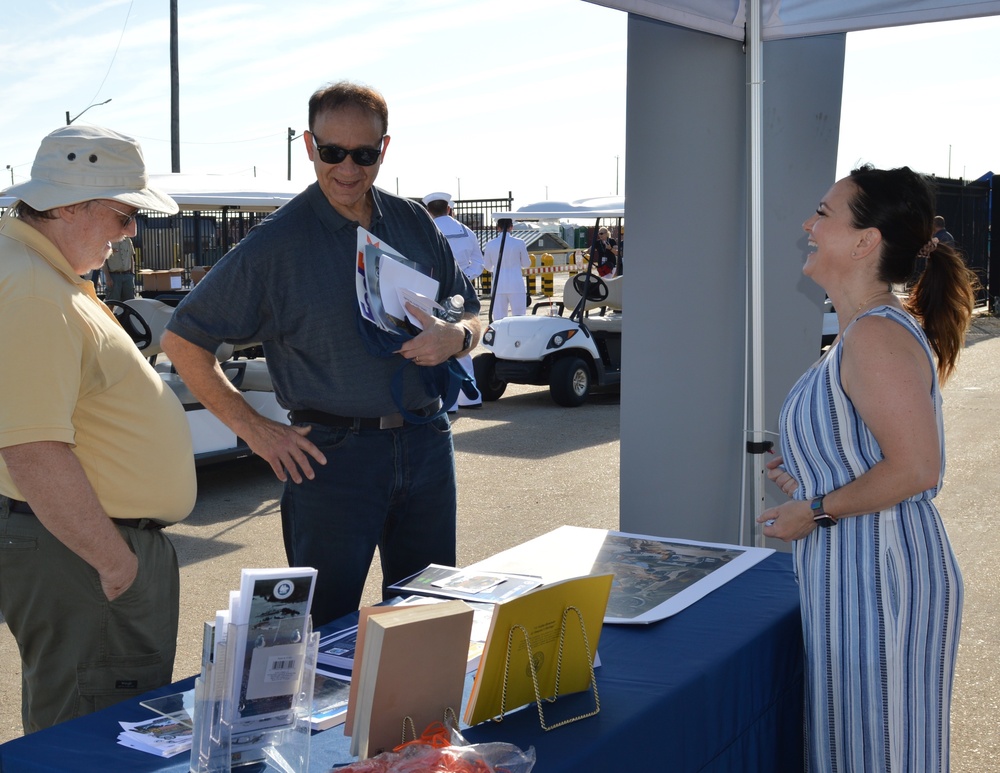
x=537, y=619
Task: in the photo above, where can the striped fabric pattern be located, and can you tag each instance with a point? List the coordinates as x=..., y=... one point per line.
x=881, y=594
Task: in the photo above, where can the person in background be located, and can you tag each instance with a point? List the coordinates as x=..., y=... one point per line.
x=465, y=247
x=943, y=236
x=357, y=475
x=509, y=292
x=119, y=271
x=941, y=232
x=605, y=253
x=95, y=452
x=862, y=458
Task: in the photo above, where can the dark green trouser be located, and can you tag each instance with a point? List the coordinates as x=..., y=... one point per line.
x=80, y=652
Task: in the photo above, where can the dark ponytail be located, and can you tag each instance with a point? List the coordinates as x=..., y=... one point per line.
x=943, y=299
x=900, y=204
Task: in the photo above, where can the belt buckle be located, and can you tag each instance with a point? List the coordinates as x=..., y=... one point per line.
x=392, y=421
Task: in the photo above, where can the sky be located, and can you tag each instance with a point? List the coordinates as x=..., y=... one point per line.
x=485, y=97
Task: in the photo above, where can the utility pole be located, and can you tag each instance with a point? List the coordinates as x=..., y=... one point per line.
x=175, y=112
x=291, y=136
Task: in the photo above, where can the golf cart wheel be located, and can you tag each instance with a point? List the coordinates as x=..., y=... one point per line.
x=484, y=366
x=569, y=382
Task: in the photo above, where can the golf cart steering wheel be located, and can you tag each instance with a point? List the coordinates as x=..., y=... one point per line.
x=596, y=288
x=136, y=327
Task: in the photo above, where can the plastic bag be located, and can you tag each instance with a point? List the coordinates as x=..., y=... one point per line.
x=442, y=749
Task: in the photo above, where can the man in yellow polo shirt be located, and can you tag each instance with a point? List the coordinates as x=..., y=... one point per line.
x=95, y=452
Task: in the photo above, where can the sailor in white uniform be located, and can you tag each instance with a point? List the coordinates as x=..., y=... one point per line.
x=465, y=246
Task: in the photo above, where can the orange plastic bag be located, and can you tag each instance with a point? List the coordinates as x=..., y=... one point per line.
x=441, y=749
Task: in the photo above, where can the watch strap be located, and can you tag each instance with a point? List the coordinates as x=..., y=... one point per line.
x=820, y=515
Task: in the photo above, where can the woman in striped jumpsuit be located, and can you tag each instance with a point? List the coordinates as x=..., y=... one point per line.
x=862, y=457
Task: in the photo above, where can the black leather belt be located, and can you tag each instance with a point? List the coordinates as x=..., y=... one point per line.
x=16, y=506
x=392, y=421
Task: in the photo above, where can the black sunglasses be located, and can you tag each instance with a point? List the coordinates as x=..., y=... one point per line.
x=334, y=154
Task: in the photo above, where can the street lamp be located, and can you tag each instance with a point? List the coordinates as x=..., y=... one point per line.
x=11, y=173
x=96, y=104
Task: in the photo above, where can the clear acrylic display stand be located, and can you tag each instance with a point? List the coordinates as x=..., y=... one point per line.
x=252, y=704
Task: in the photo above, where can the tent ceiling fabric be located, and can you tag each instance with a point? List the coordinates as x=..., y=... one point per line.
x=800, y=18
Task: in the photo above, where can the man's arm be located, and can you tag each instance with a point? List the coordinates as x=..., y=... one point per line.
x=285, y=448
x=52, y=480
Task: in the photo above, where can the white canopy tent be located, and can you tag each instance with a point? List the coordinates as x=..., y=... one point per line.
x=683, y=36
x=799, y=18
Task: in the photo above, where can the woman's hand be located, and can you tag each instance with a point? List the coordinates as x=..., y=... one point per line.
x=792, y=520
x=776, y=472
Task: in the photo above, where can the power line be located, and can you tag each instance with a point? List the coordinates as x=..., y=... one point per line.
x=220, y=142
x=114, y=56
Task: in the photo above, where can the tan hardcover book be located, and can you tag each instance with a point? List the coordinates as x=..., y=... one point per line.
x=352, y=700
x=413, y=665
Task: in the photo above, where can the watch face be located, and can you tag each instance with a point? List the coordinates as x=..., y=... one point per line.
x=824, y=520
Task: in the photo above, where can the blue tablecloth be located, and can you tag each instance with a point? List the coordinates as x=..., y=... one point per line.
x=717, y=687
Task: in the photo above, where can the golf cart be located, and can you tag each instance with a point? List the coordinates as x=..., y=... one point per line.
x=572, y=354
x=145, y=319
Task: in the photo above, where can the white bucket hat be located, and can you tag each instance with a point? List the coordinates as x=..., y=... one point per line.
x=82, y=163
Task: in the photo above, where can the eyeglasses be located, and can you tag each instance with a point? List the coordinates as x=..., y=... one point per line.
x=127, y=220
x=334, y=154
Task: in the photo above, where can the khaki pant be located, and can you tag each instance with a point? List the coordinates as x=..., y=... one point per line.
x=80, y=652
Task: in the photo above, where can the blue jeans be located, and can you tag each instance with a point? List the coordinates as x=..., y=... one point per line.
x=394, y=489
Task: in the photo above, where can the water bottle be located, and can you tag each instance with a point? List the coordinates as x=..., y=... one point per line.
x=454, y=308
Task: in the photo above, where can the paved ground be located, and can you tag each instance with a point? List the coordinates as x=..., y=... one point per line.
x=526, y=466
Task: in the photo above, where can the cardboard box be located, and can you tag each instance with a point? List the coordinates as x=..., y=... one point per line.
x=161, y=281
x=197, y=273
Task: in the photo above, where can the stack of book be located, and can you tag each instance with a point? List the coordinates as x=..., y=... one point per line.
x=162, y=736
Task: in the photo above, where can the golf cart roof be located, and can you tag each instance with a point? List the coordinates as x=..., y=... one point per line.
x=581, y=209
x=211, y=191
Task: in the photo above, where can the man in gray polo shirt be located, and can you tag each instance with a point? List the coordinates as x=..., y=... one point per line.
x=357, y=476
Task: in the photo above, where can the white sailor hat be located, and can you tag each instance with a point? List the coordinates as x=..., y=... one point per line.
x=437, y=196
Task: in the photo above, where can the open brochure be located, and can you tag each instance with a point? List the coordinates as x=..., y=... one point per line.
x=466, y=584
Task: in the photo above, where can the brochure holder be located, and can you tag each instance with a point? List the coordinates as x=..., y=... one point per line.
x=515, y=629
x=253, y=700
